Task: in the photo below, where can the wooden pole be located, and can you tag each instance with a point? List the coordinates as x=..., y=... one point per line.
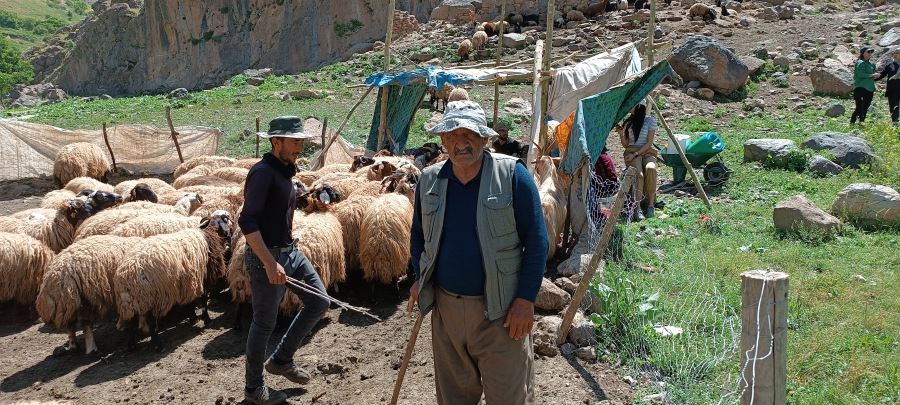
x=535, y=96
x=497, y=63
x=321, y=161
x=599, y=251
x=385, y=91
x=174, y=133
x=111, y=154
x=687, y=164
x=651, y=34
x=545, y=85
x=257, y=136
x=764, y=306
x=406, y=357
x=324, y=128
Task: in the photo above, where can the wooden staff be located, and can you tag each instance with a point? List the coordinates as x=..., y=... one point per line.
x=174, y=133
x=684, y=159
x=599, y=251
x=406, y=357
x=111, y=154
x=535, y=90
x=257, y=136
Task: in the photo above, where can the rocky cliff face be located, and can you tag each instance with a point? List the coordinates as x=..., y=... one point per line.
x=134, y=46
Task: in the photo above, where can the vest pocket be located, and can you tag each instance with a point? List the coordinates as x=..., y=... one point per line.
x=430, y=204
x=508, y=264
x=501, y=216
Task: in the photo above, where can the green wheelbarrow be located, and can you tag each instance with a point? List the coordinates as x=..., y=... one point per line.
x=709, y=146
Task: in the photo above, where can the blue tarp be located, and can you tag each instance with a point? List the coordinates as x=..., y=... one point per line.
x=403, y=102
x=433, y=76
x=596, y=115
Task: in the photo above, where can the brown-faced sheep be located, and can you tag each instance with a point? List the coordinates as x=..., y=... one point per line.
x=142, y=192
x=232, y=174
x=465, y=48
x=23, y=260
x=700, y=11
x=169, y=270
x=80, y=159
x=212, y=162
x=56, y=228
x=80, y=184
x=553, y=201
x=438, y=97
x=479, y=39
x=384, y=238
x=77, y=288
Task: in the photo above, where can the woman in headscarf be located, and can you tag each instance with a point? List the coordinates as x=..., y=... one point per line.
x=863, y=84
x=636, y=135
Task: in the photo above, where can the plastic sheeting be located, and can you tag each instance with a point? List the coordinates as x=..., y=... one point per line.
x=436, y=77
x=28, y=149
x=403, y=101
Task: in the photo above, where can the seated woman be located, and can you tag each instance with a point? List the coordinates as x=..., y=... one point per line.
x=637, y=136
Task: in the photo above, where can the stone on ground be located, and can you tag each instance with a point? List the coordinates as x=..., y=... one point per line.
x=821, y=166
x=551, y=298
x=566, y=284
x=582, y=332
x=758, y=150
x=753, y=64
x=870, y=205
x=517, y=107
x=707, y=60
x=544, y=336
x=515, y=40
x=836, y=110
x=890, y=38
x=851, y=151
x=798, y=214
x=831, y=81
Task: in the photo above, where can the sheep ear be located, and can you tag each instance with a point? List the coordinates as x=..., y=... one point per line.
x=204, y=223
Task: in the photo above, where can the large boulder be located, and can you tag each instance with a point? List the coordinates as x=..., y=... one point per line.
x=797, y=214
x=457, y=11
x=582, y=333
x=822, y=166
x=887, y=56
x=869, y=205
x=832, y=81
x=759, y=150
x=551, y=298
x=707, y=60
x=753, y=64
x=515, y=40
x=851, y=151
x=843, y=55
x=890, y=38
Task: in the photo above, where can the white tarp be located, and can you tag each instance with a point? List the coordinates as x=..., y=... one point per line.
x=589, y=77
x=28, y=149
x=482, y=75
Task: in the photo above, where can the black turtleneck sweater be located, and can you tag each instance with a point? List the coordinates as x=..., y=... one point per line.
x=269, y=201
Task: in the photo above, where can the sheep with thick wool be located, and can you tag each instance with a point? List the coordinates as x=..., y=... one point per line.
x=80, y=184
x=465, y=48
x=554, y=202
x=56, y=227
x=23, y=260
x=169, y=270
x=158, y=224
x=104, y=222
x=246, y=163
x=233, y=174
x=188, y=180
x=230, y=203
x=350, y=213
x=319, y=234
x=384, y=238
x=479, y=39
x=210, y=161
x=80, y=159
x=158, y=186
x=57, y=199
x=77, y=288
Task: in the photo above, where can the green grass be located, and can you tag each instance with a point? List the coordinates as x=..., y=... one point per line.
x=36, y=19
x=844, y=334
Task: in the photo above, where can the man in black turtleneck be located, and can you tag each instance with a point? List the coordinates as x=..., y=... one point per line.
x=266, y=220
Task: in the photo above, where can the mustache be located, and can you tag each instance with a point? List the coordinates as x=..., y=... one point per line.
x=467, y=150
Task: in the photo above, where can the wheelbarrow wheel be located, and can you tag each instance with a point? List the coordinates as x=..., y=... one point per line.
x=715, y=173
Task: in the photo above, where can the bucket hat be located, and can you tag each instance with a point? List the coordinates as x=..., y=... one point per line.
x=464, y=114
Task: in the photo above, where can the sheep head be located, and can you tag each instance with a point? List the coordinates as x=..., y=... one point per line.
x=217, y=232
x=380, y=170
x=78, y=209
x=221, y=221
x=360, y=162
x=401, y=183
x=318, y=199
x=142, y=192
x=191, y=201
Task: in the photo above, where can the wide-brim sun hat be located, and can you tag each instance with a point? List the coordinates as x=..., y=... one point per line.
x=464, y=114
x=286, y=127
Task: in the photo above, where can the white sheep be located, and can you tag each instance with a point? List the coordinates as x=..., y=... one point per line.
x=158, y=186
x=56, y=228
x=80, y=159
x=149, y=225
x=553, y=201
x=80, y=184
x=212, y=162
x=23, y=260
x=479, y=39
x=232, y=174
x=77, y=288
x=57, y=199
x=464, y=49
x=350, y=213
x=384, y=238
x=319, y=235
x=104, y=222
x=246, y=163
x=188, y=180
x=168, y=270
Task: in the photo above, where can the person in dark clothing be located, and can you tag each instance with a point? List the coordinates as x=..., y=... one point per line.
x=863, y=84
x=891, y=71
x=502, y=143
x=270, y=198
x=605, y=173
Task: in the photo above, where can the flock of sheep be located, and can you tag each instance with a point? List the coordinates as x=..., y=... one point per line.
x=134, y=251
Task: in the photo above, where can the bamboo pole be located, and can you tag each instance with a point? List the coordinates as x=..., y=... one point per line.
x=545, y=86
x=407, y=355
x=536, y=93
x=111, y=154
x=174, y=133
x=764, y=306
x=385, y=91
x=497, y=63
x=257, y=137
x=321, y=160
x=599, y=251
x=684, y=160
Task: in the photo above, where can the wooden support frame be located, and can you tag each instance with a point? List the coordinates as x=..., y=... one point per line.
x=174, y=133
x=599, y=251
x=497, y=63
x=545, y=85
x=109, y=148
x=385, y=91
x=257, y=137
x=763, y=364
x=536, y=94
x=321, y=160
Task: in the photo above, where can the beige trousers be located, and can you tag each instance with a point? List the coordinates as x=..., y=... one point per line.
x=645, y=182
x=473, y=355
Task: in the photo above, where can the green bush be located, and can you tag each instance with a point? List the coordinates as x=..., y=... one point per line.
x=13, y=69
x=347, y=28
x=795, y=161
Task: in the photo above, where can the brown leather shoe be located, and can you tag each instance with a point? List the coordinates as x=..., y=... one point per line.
x=290, y=371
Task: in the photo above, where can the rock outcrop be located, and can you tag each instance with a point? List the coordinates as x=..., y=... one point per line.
x=200, y=44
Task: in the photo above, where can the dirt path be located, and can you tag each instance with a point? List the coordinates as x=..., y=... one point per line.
x=355, y=361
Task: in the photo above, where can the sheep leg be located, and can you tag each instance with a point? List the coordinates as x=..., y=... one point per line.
x=156, y=342
x=372, y=299
x=132, y=334
x=90, y=346
x=204, y=314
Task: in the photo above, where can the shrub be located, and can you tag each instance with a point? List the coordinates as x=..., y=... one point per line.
x=13, y=69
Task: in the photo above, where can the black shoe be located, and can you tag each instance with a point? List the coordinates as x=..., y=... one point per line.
x=264, y=396
x=636, y=215
x=290, y=371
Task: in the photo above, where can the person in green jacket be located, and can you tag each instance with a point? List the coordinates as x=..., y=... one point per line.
x=863, y=84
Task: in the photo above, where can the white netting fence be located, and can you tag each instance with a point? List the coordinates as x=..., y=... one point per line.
x=661, y=317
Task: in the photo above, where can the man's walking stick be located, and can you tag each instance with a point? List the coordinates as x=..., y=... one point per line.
x=406, y=356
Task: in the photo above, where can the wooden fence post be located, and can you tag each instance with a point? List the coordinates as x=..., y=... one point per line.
x=497, y=64
x=764, y=307
x=174, y=133
x=324, y=128
x=257, y=137
x=111, y=154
